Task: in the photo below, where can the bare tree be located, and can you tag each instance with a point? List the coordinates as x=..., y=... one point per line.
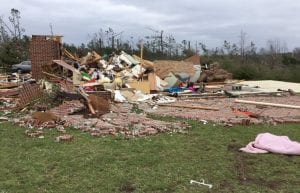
x=97, y=40
x=275, y=48
x=158, y=39
x=13, y=42
x=227, y=47
x=296, y=53
x=204, y=48
x=15, y=29
x=242, y=46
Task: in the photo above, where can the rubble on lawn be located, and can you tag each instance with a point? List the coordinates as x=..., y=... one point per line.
x=65, y=137
x=232, y=113
x=120, y=121
x=112, y=94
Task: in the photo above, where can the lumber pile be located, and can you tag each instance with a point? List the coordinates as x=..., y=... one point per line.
x=214, y=73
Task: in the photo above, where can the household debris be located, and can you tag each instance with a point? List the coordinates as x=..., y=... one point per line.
x=214, y=74
x=232, y=113
x=96, y=93
x=65, y=137
x=3, y=119
x=267, y=142
x=201, y=182
x=120, y=121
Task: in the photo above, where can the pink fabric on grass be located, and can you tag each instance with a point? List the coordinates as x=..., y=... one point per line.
x=267, y=142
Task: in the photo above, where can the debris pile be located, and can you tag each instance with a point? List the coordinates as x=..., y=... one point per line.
x=112, y=93
x=232, y=113
x=67, y=108
x=214, y=74
x=121, y=121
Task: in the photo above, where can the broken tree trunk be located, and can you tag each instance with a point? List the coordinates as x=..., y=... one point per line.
x=190, y=107
x=268, y=104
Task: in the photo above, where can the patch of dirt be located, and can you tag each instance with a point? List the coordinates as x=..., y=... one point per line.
x=241, y=167
x=234, y=147
x=244, y=170
x=226, y=186
x=127, y=187
x=272, y=184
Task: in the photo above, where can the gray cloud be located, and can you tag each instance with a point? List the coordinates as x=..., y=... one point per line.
x=207, y=21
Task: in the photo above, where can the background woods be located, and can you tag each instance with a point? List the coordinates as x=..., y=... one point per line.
x=243, y=58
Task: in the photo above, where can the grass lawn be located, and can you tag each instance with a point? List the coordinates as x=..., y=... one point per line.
x=161, y=163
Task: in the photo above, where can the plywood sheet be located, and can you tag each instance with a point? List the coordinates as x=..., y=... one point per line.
x=163, y=67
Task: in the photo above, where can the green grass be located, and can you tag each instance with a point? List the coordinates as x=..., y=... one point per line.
x=161, y=163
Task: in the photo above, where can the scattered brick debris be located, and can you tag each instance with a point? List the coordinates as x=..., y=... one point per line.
x=34, y=133
x=65, y=137
x=268, y=115
x=67, y=107
x=120, y=121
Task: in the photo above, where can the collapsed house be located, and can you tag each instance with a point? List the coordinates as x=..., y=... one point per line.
x=113, y=94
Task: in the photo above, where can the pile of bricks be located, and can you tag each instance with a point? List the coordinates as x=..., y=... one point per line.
x=134, y=125
x=127, y=124
x=67, y=107
x=122, y=122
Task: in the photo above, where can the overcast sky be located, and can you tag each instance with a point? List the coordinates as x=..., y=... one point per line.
x=207, y=21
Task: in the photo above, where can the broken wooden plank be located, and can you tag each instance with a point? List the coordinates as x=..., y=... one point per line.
x=91, y=84
x=152, y=81
x=145, y=63
x=69, y=55
x=199, y=94
x=55, y=77
x=143, y=86
x=8, y=85
x=85, y=96
x=268, y=104
x=65, y=65
x=190, y=107
x=163, y=67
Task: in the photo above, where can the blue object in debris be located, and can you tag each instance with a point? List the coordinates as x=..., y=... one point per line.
x=173, y=90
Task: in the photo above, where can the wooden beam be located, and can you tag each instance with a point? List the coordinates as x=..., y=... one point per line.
x=65, y=65
x=189, y=107
x=85, y=96
x=268, y=104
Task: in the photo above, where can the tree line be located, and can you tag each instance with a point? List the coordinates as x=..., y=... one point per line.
x=242, y=58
